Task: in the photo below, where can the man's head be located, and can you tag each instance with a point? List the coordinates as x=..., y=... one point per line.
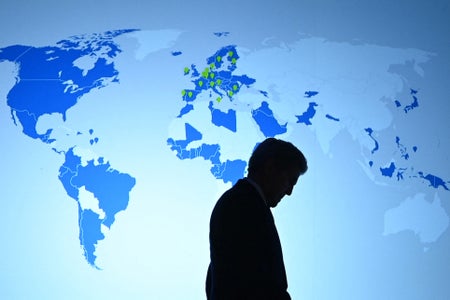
x=276, y=166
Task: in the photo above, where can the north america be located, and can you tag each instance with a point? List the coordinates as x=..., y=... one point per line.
x=49, y=81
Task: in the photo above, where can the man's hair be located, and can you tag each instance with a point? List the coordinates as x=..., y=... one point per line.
x=283, y=153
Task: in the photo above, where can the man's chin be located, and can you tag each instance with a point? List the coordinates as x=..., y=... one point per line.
x=273, y=204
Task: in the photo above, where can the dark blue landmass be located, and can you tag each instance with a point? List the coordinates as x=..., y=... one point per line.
x=179, y=146
x=228, y=171
x=195, y=72
x=93, y=141
x=309, y=94
x=370, y=132
x=308, y=114
x=265, y=94
x=220, y=118
x=216, y=78
x=332, y=118
x=190, y=95
x=69, y=170
x=414, y=104
x=176, y=53
x=400, y=172
x=110, y=187
x=389, y=171
x=87, y=219
x=221, y=34
x=403, y=151
x=434, y=180
x=218, y=58
x=266, y=121
x=48, y=82
x=186, y=109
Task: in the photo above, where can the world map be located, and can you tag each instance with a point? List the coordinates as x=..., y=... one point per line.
x=218, y=98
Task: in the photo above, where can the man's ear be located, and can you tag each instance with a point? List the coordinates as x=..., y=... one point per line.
x=270, y=167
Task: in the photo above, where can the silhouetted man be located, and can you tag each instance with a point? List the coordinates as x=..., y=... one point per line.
x=246, y=257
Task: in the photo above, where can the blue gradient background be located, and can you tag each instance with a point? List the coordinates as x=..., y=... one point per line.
x=332, y=226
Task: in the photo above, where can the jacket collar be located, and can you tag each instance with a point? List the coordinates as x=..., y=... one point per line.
x=257, y=188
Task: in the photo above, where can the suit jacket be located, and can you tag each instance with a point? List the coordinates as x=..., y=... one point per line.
x=246, y=256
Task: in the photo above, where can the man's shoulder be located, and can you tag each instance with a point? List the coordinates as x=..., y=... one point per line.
x=238, y=206
x=241, y=196
x=242, y=189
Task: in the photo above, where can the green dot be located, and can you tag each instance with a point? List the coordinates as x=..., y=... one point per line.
x=219, y=58
x=212, y=66
x=219, y=99
x=230, y=53
x=200, y=83
x=233, y=60
x=205, y=73
x=186, y=70
x=230, y=93
x=190, y=94
x=212, y=75
x=183, y=92
x=211, y=83
x=235, y=87
x=218, y=81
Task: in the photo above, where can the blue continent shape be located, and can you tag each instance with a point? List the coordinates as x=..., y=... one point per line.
x=308, y=114
x=389, y=171
x=434, y=180
x=228, y=171
x=220, y=34
x=370, y=133
x=330, y=117
x=186, y=109
x=266, y=121
x=217, y=78
x=401, y=148
x=110, y=187
x=414, y=104
x=309, y=94
x=220, y=118
x=49, y=82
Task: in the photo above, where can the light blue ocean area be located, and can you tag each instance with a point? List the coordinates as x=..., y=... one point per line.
x=48, y=81
x=218, y=80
